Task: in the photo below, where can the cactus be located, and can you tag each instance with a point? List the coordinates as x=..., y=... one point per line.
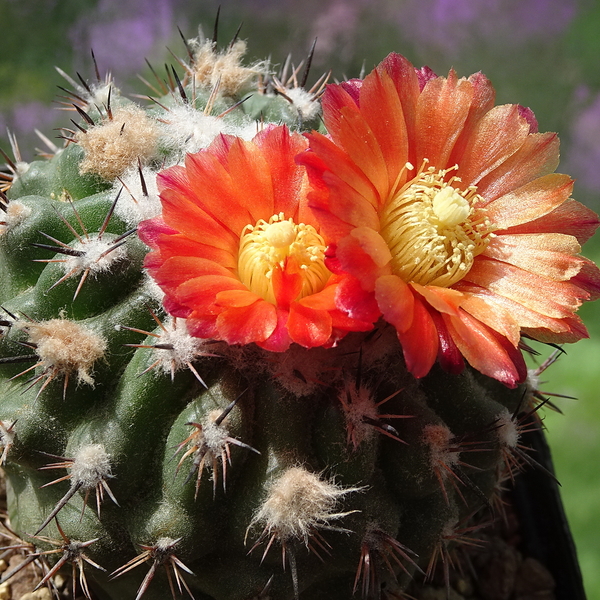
x=176, y=424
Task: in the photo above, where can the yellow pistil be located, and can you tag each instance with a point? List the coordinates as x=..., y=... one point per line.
x=266, y=245
x=432, y=228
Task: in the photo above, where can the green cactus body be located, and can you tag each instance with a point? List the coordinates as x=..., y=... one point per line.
x=224, y=471
x=305, y=419
x=359, y=493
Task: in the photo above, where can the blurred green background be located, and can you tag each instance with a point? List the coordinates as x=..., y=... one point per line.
x=539, y=53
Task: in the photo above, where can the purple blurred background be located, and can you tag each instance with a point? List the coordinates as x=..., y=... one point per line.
x=527, y=47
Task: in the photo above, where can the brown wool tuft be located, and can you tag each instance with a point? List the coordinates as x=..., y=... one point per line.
x=116, y=144
x=16, y=213
x=224, y=69
x=66, y=347
x=358, y=403
x=439, y=439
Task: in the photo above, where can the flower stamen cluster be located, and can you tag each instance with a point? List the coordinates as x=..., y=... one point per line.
x=433, y=229
x=269, y=244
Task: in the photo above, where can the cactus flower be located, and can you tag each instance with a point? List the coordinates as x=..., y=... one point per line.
x=237, y=251
x=447, y=211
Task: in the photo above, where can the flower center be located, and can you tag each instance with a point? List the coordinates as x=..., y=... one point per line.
x=266, y=245
x=433, y=229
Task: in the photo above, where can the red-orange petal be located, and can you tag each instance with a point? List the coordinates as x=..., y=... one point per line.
x=588, y=279
x=405, y=80
x=323, y=300
x=353, y=254
x=251, y=177
x=498, y=135
x=181, y=245
x=343, y=323
x=525, y=316
x=420, y=342
x=175, y=270
x=494, y=316
x=573, y=331
x=372, y=244
x=570, y=218
x=279, y=340
x=309, y=327
x=449, y=356
x=200, y=293
x=149, y=231
x=482, y=101
x=482, y=349
x=537, y=156
x=363, y=147
x=382, y=110
x=345, y=168
x=287, y=179
x=442, y=111
x=236, y=298
x=350, y=130
x=353, y=300
x=441, y=299
x=247, y=324
x=203, y=327
x=530, y=201
x=551, y=255
x=216, y=191
x=556, y=299
x=287, y=283
x=396, y=301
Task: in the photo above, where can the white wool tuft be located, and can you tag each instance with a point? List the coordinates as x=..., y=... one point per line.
x=508, y=429
x=299, y=502
x=91, y=466
x=133, y=205
x=187, y=130
x=304, y=103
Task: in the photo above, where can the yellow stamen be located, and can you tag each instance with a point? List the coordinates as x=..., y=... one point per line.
x=433, y=229
x=266, y=245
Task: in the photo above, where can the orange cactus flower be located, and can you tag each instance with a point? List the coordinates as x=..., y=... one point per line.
x=237, y=251
x=447, y=211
